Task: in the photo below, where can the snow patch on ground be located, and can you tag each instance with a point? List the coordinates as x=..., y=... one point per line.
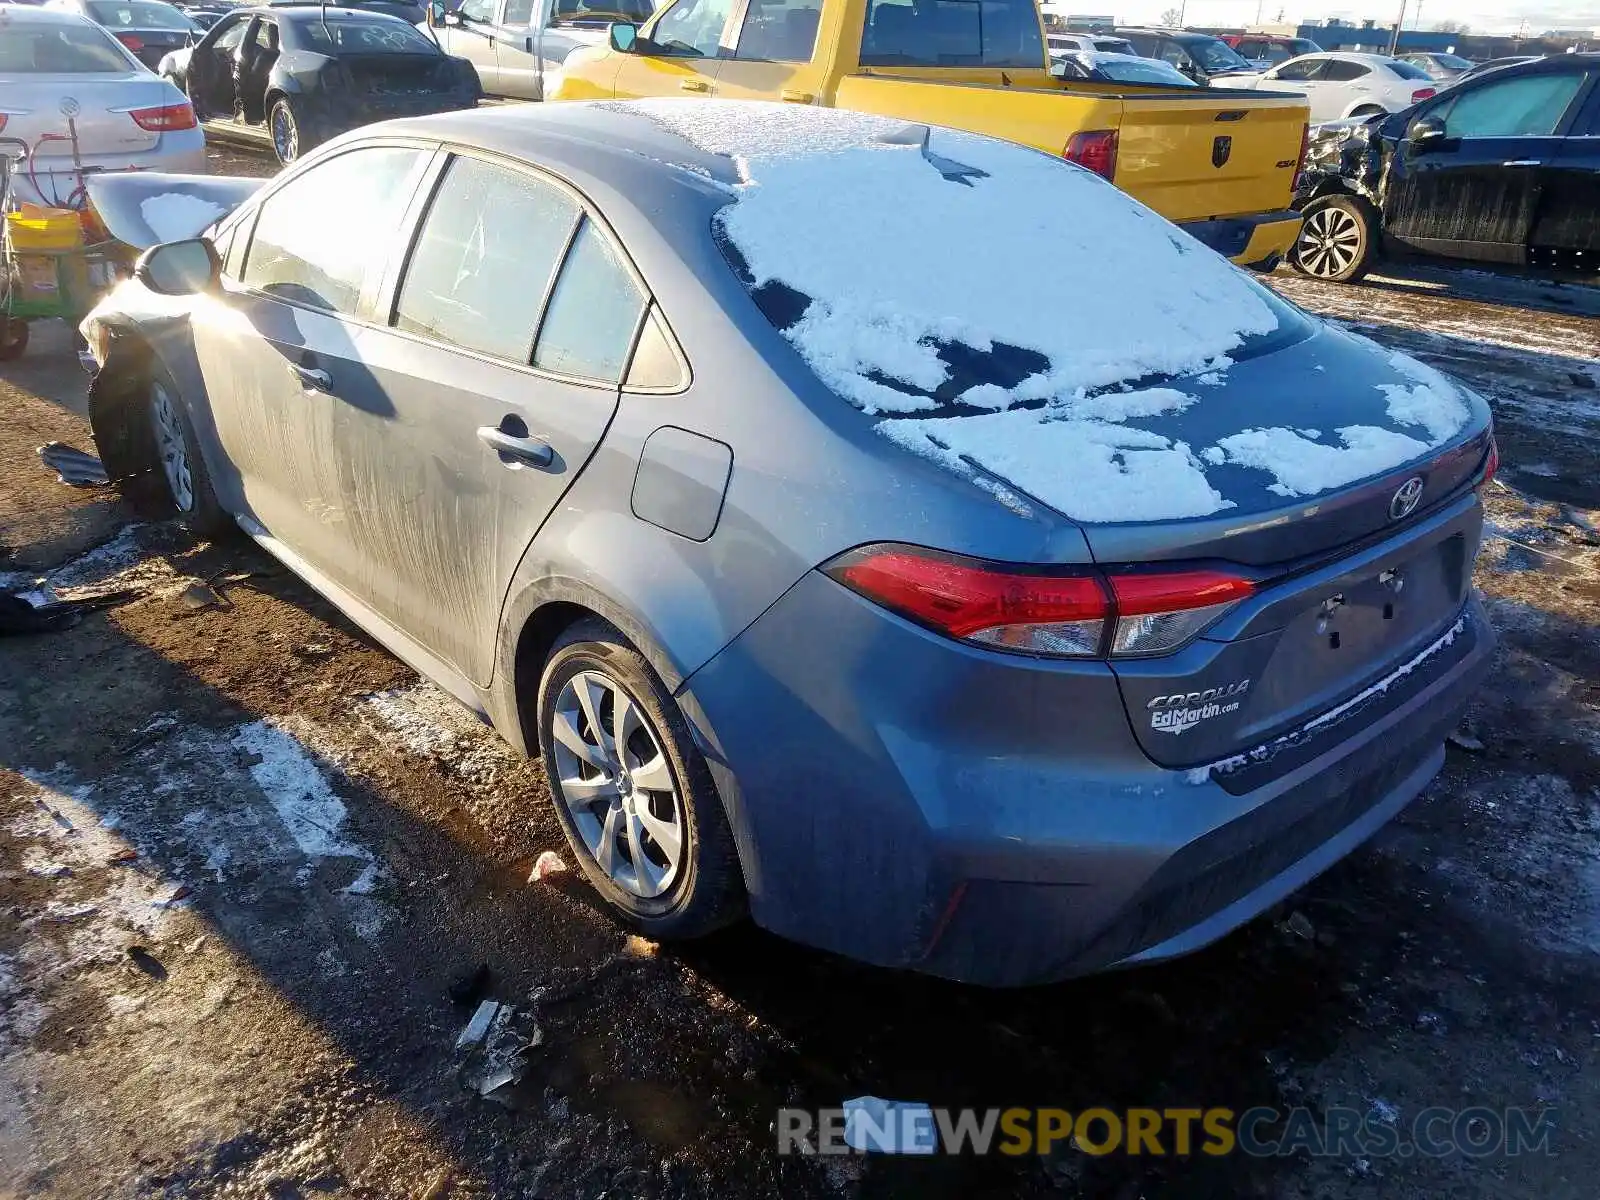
x=100, y=564
x=425, y=720
x=174, y=216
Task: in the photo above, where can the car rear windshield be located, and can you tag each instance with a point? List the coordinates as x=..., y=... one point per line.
x=1114, y=46
x=952, y=33
x=60, y=50
x=353, y=35
x=1299, y=46
x=1453, y=61
x=1406, y=71
x=1129, y=69
x=137, y=14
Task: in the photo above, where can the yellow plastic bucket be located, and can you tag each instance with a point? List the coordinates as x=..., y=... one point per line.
x=33, y=227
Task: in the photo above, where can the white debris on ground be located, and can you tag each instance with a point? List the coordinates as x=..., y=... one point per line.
x=174, y=216
x=427, y=721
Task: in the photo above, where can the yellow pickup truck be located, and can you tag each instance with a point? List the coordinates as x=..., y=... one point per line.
x=1220, y=163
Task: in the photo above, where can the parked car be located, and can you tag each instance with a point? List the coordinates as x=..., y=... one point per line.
x=1207, y=60
x=797, y=601
x=1224, y=167
x=498, y=37
x=309, y=73
x=124, y=118
x=1503, y=167
x=1089, y=43
x=1342, y=84
x=149, y=28
x=1437, y=66
x=1119, y=68
x=1494, y=64
x=205, y=13
x=1267, y=50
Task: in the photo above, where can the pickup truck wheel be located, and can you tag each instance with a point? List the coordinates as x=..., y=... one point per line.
x=1338, y=240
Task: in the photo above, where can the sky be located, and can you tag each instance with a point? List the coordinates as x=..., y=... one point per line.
x=1483, y=16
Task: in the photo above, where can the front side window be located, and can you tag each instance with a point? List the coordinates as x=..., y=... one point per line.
x=484, y=259
x=692, y=28
x=779, y=30
x=1530, y=106
x=952, y=33
x=1216, y=55
x=324, y=234
x=1300, y=72
x=476, y=10
x=232, y=35
x=594, y=312
x=1174, y=53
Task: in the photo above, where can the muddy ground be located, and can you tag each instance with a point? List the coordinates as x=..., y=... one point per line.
x=251, y=868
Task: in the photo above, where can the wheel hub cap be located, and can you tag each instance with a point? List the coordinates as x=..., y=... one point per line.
x=617, y=784
x=170, y=448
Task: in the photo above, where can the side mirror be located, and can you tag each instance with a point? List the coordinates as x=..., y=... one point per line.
x=1425, y=133
x=180, y=268
x=436, y=13
x=623, y=35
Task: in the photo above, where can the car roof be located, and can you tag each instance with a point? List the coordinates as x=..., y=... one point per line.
x=308, y=11
x=1359, y=56
x=1175, y=34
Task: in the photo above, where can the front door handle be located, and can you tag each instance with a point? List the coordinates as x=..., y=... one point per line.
x=796, y=97
x=534, y=451
x=312, y=379
x=694, y=85
x=1523, y=162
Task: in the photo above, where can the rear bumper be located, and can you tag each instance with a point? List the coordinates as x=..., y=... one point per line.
x=912, y=803
x=1258, y=240
x=182, y=152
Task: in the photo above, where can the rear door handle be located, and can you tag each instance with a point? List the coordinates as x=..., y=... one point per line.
x=694, y=85
x=534, y=451
x=1523, y=162
x=796, y=97
x=312, y=379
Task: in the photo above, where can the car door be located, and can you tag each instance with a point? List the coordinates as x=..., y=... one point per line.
x=1566, y=232
x=1301, y=76
x=473, y=38
x=282, y=358
x=516, y=68
x=1343, y=86
x=209, y=78
x=1473, y=191
x=775, y=53
x=687, y=42
x=507, y=335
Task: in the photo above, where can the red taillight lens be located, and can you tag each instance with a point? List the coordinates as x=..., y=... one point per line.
x=1096, y=150
x=1423, y=94
x=3, y=117
x=1061, y=613
x=131, y=40
x=1491, y=461
x=167, y=118
x=1305, y=153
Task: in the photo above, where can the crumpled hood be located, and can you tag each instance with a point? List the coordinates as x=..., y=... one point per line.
x=146, y=208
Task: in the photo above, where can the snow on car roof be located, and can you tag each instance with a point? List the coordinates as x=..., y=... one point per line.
x=894, y=257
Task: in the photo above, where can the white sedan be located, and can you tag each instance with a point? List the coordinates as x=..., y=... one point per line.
x=1343, y=84
x=68, y=88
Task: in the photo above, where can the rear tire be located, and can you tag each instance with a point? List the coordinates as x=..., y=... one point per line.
x=1338, y=241
x=13, y=338
x=644, y=822
x=181, y=466
x=287, y=128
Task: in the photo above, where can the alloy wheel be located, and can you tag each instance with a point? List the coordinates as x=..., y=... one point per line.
x=1330, y=240
x=171, y=447
x=618, y=785
x=285, y=134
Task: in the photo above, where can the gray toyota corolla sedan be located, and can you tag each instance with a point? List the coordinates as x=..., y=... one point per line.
x=897, y=534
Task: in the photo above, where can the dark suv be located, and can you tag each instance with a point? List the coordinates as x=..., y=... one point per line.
x=1203, y=58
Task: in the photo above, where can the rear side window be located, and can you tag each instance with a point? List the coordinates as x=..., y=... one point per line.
x=1529, y=106
x=593, y=314
x=779, y=30
x=60, y=50
x=952, y=33
x=1407, y=70
x=484, y=259
x=692, y=28
x=1340, y=70
x=300, y=253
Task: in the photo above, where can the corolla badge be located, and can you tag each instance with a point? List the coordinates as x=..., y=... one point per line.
x=1182, y=711
x=1405, y=501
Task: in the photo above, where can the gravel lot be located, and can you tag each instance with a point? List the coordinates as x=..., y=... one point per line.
x=246, y=857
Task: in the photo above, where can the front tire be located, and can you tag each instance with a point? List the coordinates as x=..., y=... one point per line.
x=178, y=456
x=1338, y=241
x=631, y=790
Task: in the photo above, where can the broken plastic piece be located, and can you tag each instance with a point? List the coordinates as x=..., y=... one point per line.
x=890, y=1126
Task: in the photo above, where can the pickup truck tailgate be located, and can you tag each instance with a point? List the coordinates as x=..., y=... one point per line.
x=1210, y=154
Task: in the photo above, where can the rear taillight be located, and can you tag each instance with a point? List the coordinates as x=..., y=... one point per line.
x=1305, y=153
x=3, y=118
x=1423, y=94
x=1095, y=149
x=1491, y=461
x=1071, y=613
x=167, y=118
x=131, y=40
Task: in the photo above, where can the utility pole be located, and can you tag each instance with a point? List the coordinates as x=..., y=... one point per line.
x=1394, y=42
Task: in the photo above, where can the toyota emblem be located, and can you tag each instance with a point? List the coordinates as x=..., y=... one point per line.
x=70, y=107
x=1404, y=502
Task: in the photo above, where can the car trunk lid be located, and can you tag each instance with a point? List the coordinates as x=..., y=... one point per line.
x=398, y=74
x=37, y=107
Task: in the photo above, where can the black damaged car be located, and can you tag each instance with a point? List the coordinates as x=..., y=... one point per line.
x=1501, y=168
x=311, y=73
